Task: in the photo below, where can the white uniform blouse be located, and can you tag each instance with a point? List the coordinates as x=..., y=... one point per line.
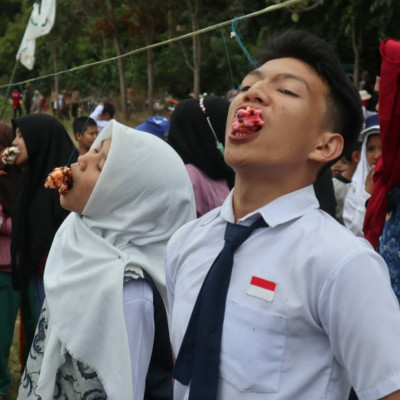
x=309, y=310
x=139, y=320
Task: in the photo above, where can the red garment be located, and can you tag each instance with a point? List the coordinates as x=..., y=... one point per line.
x=16, y=97
x=5, y=242
x=387, y=172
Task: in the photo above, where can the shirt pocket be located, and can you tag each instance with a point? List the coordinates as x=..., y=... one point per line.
x=252, y=349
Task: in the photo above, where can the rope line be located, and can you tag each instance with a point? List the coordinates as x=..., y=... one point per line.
x=94, y=106
x=228, y=58
x=236, y=34
x=210, y=28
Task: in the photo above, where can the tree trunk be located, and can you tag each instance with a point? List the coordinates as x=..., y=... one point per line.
x=148, y=34
x=194, y=13
x=170, y=22
x=122, y=82
x=196, y=65
x=150, y=81
x=356, y=40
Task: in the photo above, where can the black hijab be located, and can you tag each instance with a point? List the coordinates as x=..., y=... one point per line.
x=192, y=138
x=36, y=211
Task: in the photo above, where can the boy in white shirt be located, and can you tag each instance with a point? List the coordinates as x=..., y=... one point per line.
x=102, y=114
x=341, y=182
x=309, y=310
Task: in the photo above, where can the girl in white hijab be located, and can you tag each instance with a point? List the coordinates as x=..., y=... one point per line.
x=361, y=184
x=95, y=336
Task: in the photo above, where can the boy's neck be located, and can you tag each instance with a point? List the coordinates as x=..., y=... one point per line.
x=82, y=150
x=252, y=194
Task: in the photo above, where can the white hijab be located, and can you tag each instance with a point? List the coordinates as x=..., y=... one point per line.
x=143, y=195
x=356, y=196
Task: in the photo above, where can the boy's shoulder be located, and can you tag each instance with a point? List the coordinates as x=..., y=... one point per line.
x=334, y=238
x=189, y=229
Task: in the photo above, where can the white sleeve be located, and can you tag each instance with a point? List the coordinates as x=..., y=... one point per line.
x=139, y=320
x=361, y=317
x=97, y=112
x=354, y=212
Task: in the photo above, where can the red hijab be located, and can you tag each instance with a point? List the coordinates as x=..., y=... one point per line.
x=387, y=172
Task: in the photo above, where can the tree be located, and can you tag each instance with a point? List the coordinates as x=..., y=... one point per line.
x=103, y=22
x=194, y=7
x=144, y=19
x=90, y=30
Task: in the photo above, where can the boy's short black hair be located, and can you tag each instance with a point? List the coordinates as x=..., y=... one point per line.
x=81, y=123
x=344, y=112
x=356, y=146
x=108, y=108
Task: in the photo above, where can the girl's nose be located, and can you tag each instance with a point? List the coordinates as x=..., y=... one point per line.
x=81, y=161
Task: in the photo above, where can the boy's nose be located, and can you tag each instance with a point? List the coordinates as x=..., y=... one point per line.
x=257, y=93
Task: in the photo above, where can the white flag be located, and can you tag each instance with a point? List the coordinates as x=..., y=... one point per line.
x=40, y=23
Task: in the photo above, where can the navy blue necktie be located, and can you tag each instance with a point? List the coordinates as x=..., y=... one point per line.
x=198, y=359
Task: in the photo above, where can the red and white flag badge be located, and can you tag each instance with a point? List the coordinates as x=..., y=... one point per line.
x=262, y=288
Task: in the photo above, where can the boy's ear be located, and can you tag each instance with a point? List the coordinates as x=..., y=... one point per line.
x=77, y=136
x=328, y=147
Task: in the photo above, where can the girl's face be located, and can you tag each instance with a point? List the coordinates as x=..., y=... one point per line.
x=85, y=173
x=373, y=149
x=22, y=158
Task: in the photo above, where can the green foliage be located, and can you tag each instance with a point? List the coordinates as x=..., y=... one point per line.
x=86, y=31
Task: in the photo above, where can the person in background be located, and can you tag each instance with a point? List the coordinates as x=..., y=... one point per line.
x=66, y=106
x=44, y=144
x=232, y=93
x=53, y=97
x=365, y=97
x=337, y=167
x=85, y=132
x=58, y=105
x=36, y=102
x=197, y=130
x=75, y=98
x=9, y=298
x=360, y=188
x=341, y=181
x=16, y=99
x=28, y=97
x=156, y=125
x=367, y=84
x=303, y=308
x=102, y=114
x=103, y=331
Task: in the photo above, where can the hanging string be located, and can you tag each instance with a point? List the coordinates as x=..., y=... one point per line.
x=236, y=34
x=104, y=84
x=228, y=58
x=95, y=103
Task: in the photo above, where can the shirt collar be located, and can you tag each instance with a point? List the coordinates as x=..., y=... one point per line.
x=283, y=209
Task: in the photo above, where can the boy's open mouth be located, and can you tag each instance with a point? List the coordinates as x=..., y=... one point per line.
x=247, y=120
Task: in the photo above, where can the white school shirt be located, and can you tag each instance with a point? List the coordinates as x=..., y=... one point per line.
x=101, y=123
x=332, y=311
